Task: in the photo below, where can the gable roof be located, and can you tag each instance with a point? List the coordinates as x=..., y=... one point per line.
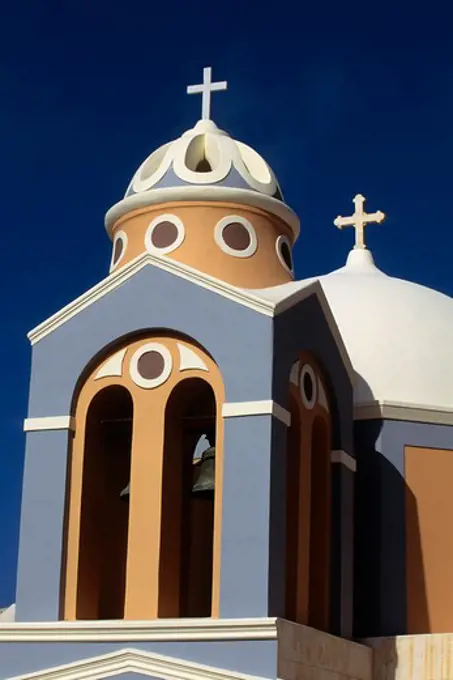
x=144, y=663
x=267, y=301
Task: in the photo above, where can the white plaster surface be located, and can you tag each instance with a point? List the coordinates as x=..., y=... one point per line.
x=398, y=334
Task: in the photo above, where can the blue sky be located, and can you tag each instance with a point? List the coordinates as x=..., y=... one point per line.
x=339, y=97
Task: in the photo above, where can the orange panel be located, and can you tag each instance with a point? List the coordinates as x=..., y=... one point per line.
x=429, y=544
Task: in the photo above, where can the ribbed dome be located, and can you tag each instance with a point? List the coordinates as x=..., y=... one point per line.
x=205, y=155
x=399, y=335
x=205, y=163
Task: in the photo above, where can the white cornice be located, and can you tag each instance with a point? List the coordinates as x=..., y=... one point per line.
x=254, y=301
x=167, y=264
x=416, y=413
x=314, y=286
x=203, y=193
x=244, y=297
x=340, y=456
x=161, y=630
x=49, y=423
x=134, y=661
x=256, y=408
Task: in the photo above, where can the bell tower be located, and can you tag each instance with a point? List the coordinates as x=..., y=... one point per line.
x=189, y=419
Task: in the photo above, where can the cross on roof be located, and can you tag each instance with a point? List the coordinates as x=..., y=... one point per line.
x=358, y=220
x=205, y=89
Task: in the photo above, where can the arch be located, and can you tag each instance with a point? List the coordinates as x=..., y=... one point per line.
x=125, y=341
x=320, y=526
x=187, y=524
x=104, y=517
x=189, y=380
x=297, y=512
x=308, y=498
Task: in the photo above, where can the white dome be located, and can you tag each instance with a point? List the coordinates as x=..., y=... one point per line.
x=399, y=335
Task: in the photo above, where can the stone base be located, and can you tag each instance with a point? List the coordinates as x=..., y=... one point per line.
x=308, y=654
x=413, y=657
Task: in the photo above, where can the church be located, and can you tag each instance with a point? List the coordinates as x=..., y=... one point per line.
x=231, y=474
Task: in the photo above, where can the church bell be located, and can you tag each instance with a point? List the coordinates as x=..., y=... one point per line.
x=206, y=477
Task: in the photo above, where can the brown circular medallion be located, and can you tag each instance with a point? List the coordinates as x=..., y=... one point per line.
x=164, y=234
x=236, y=236
x=151, y=365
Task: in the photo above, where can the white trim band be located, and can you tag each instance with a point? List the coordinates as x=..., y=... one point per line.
x=134, y=661
x=160, y=630
x=203, y=193
x=248, y=298
x=414, y=413
x=183, y=271
x=340, y=456
x=267, y=407
x=49, y=423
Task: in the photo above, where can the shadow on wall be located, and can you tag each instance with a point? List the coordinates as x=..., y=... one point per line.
x=362, y=390
x=387, y=555
x=390, y=596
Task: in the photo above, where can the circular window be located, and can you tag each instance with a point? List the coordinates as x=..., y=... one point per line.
x=284, y=252
x=164, y=234
x=118, y=249
x=308, y=390
x=236, y=236
x=151, y=365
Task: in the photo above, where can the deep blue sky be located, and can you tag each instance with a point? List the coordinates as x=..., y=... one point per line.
x=340, y=98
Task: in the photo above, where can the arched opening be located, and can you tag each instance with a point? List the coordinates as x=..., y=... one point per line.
x=104, y=515
x=203, y=166
x=293, y=460
x=187, y=530
x=320, y=526
x=297, y=516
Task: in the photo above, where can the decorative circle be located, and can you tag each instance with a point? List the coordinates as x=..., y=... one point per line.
x=308, y=386
x=236, y=236
x=118, y=249
x=284, y=252
x=151, y=365
x=164, y=234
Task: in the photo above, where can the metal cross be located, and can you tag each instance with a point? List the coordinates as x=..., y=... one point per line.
x=358, y=220
x=205, y=89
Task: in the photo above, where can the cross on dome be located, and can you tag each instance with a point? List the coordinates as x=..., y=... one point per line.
x=205, y=89
x=359, y=220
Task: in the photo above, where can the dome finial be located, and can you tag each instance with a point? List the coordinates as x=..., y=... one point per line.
x=358, y=220
x=205, y=89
